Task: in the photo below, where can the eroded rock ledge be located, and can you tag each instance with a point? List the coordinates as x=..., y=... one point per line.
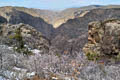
x=103, y=39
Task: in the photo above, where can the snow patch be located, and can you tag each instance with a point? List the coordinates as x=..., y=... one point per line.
x=36, y=51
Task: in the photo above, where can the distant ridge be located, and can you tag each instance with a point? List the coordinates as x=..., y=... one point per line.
x=56, y=18
x=46, y=21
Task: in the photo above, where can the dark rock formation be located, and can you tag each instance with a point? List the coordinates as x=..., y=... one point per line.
x=2, y=20
x=103, y=39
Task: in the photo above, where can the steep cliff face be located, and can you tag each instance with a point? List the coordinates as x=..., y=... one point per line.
x=61, y=20
x=103, y=39
x=71, y=13
x=56, y=18
x=77, y=27
x=14, y=16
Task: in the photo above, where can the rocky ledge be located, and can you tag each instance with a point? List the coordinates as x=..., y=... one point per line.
x=103, y=40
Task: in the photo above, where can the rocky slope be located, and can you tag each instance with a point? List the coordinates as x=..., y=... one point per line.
x=22, y=35
x=16, y=16
x=55, y=18
x=78, y=25
x=74, y=28
x=45, y=20
x=103, y=39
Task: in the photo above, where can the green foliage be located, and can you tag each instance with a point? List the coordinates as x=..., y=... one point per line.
x=18, y=35
x=91, y=55
x=24, y=50
x=11, y=36
x=27, y=51
x=58, y=55
x=19, y=45
x=19, y=39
